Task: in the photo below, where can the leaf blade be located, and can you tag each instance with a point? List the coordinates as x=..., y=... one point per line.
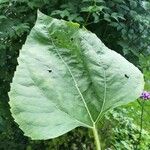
x=76, y=75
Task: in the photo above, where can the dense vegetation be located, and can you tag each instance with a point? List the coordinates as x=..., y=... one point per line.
x=123, y=25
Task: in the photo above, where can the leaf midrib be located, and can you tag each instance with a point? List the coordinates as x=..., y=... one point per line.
x=76, y=85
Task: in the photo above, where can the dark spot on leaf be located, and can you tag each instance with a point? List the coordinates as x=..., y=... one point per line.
x=126, y=76
x=71, y=39
x=49, y=70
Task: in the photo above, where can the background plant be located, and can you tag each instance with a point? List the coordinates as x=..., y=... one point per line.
x=123, y=25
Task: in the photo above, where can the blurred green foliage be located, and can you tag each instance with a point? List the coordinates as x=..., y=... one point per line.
x=124, y=131
x=123, y=25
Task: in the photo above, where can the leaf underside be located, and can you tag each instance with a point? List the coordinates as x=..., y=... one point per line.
x=67, y=78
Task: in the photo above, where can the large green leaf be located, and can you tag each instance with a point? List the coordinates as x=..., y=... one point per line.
x=66, y=78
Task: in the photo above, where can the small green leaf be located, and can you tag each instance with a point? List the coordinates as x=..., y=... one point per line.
x=67, y=78
x=146, y=5
x=133, y=4
x=116, y=16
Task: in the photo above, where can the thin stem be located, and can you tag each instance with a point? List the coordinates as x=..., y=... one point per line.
x=96, y=137
x=141, y=123
x=88, y=16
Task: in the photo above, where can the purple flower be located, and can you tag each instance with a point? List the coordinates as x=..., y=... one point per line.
x=145, y=95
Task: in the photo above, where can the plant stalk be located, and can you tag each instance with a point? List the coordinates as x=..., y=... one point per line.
x=96, y=137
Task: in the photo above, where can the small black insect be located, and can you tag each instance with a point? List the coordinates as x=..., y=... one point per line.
x=49, y=70
x=126, y=76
